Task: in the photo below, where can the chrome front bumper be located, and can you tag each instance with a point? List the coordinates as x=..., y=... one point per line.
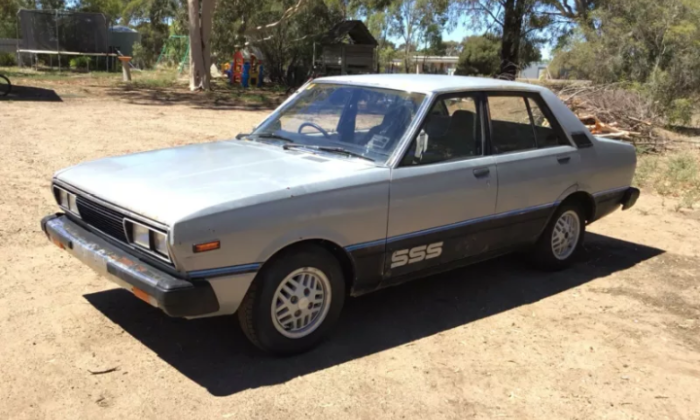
x=176, y=297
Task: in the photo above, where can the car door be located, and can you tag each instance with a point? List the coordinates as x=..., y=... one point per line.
x=443, y=190
x=535, y=161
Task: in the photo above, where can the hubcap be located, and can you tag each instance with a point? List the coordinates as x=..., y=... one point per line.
x=301, y=302
x=565, y=235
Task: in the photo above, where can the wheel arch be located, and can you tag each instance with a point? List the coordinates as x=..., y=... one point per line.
x=584, y=199
x=344, y=259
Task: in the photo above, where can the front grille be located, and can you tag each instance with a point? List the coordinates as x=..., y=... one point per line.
x=107, y=220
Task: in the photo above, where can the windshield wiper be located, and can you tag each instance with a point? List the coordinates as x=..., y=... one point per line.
x=328, y=149
x=272, y=136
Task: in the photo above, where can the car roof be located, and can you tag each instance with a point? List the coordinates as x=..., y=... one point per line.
x=429, y=83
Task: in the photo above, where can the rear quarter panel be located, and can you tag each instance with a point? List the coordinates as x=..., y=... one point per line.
x=605, y=165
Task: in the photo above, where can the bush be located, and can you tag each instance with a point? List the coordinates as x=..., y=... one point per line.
x=80, y=62
x=480, y=56
x=681, y=111
x=8, y=59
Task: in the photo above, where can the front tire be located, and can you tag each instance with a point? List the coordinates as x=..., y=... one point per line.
x=294, y=301
x=561, y=240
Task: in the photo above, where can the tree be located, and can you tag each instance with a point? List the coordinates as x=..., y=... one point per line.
x=481, y=55
x=285, y=31
x=200, y=14
x=575, y=11
x=411, y=20
x=654, y=46
x=517, y=21
x=112, y=9
x=453, y=48
x=433, y=39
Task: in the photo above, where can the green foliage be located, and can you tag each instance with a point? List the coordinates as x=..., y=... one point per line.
x=480, y=56
x=153, y=36
x=8, y=59
x=140, y=56
x=174, y=51
x=652, y=45
x=112, y=9
x=415, y=22
x=680, y=111
x=682, y=169
x=289, y=43
x=80, y=62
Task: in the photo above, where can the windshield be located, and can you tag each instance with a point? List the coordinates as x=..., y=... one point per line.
x=362, y=120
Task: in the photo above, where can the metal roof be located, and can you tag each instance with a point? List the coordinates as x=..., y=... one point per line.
x=421, y=59
x=427, y=83
x=355, y=29
x=122, y=29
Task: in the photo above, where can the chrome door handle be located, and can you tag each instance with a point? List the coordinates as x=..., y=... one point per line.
x=481, y=172
x=564, y=159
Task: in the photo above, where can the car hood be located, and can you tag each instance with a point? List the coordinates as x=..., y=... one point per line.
x=169, y=185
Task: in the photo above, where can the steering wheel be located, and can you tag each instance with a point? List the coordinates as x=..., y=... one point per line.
x=313, y=125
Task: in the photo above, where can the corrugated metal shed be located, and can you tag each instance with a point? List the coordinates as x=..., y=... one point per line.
x=348, y=48
x=353, y=31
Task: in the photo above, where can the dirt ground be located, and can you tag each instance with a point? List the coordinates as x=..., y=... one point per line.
x=615, y=337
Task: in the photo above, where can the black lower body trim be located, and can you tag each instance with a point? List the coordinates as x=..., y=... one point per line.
x=630, y=197
x=609, y=201
x=464, y=241
x=401, y=258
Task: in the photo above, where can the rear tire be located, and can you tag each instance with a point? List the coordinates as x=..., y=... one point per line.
x=561, y=240
x=294, y=301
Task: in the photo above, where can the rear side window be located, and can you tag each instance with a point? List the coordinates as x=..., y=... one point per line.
x=546, y=135
x=511, y=126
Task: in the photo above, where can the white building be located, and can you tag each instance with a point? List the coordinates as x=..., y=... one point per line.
x=428, y=64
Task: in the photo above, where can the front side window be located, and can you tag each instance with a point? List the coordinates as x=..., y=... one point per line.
x=451, y=131
x=362, y=120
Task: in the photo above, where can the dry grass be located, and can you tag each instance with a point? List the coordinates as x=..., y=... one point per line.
x=674, y=175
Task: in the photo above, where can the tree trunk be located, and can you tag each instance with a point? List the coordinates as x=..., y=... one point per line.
x=512, y=33
x=207, y=23
x=200, y=45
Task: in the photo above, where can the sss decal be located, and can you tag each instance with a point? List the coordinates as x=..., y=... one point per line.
x=409, y=256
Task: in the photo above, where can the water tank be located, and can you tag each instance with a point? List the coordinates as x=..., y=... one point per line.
x=123, y=39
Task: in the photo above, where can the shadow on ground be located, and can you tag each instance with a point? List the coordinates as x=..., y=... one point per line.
x=30, y=93
x=215, y=354
x=223, y=97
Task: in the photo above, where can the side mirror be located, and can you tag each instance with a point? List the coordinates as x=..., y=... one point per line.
x=421, y=145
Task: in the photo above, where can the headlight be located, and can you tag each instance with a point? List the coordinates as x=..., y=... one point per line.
x=140, y=235
x=73, y=203
x=67, y=200
x=147, y=238
x=63, y=198
x=160, y=243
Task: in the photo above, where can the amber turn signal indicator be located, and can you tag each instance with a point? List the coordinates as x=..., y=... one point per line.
x=208, y=246
x=57, y=243
x=144, y=296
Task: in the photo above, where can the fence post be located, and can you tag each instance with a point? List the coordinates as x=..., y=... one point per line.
x=58, y=45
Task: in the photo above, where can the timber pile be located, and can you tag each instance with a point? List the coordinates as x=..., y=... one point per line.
x=614, y=113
